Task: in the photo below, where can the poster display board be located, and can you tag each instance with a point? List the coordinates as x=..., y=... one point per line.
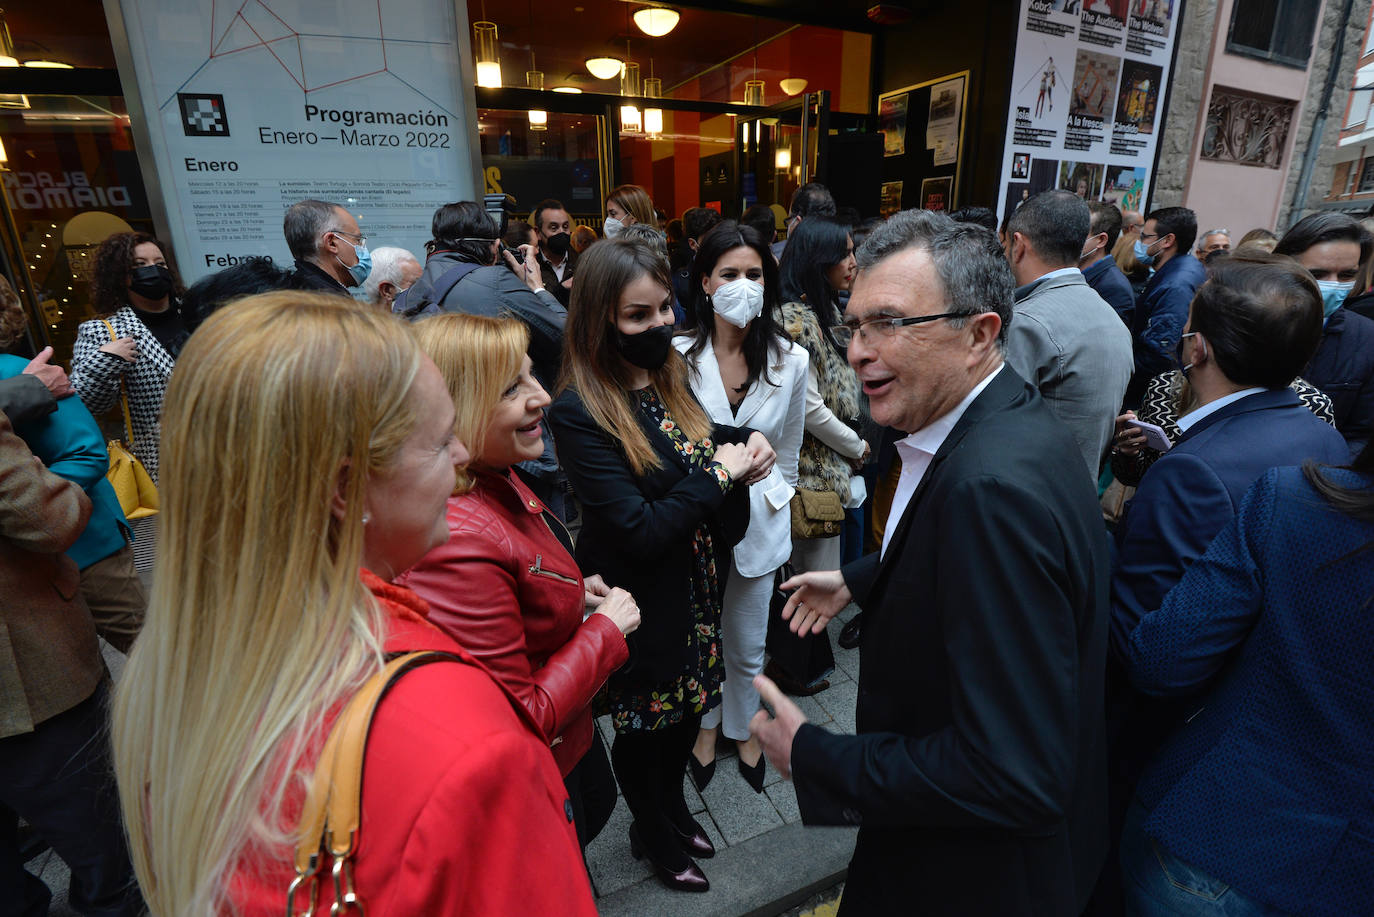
x=248, y=108
x=923, y=133
x=1087, y=99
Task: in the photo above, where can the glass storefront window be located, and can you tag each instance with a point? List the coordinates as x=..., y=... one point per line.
x=561, y=162
x=71, y=180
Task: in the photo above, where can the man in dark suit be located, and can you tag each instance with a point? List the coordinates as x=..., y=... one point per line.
x=1099, y=267
x=330, y=250
x=978, y=772
x=1165, y=243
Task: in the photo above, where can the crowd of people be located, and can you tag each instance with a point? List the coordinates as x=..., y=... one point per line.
x=423, y=518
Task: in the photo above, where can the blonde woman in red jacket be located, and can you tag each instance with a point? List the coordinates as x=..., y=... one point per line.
x=308, y=454
x=505, y=584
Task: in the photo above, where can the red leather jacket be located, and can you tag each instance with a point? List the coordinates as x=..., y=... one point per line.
x=464, y=813
x=506, y=589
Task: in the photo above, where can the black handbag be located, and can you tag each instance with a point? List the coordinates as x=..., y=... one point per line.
x=802, y=659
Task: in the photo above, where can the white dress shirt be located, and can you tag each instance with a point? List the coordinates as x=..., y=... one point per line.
x=918, y=451
x=1211, y=407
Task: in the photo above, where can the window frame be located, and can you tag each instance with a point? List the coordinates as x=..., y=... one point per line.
x=1282, y=20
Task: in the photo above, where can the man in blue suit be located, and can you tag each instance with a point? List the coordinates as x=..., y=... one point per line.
x=1165, y=243
x=1250, y=331
x=1099, y=267
x=1251, y=328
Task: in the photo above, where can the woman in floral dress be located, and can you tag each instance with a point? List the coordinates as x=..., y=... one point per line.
x=663, y=496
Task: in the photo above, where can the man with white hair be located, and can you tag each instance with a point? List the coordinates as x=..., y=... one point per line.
x=393, y=270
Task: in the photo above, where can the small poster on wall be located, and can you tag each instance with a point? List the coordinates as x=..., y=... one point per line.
x=891, y=200
x=892, y=123
x=935, y=193
x=942, y=128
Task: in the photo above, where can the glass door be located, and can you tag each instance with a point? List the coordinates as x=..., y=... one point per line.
x=781, y=150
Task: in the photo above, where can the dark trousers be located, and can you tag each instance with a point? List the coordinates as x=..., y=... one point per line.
x=591, y=790
x=650, y=767
x=60, y=779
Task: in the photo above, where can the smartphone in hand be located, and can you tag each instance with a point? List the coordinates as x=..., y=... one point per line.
x=1155, y=437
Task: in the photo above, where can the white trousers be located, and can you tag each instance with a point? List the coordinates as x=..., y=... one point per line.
x=744, y=627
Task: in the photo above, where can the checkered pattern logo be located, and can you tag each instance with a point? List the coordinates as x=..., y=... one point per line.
x=203, y=115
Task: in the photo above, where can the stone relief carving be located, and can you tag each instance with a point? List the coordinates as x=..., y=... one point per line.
x=1247, y=129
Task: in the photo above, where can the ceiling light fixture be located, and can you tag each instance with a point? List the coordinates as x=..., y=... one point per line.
x=603, y=68
x=571, y=89
x=653, y=117
x=656, y=21
x=792, y=85
x=48, y=65
x=488, y=56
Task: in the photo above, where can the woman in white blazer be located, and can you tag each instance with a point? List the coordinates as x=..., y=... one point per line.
x=745, y=372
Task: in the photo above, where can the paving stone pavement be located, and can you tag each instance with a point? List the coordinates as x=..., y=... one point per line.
x=757, y=869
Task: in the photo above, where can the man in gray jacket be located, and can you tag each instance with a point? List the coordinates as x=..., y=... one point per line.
x=1064, y=339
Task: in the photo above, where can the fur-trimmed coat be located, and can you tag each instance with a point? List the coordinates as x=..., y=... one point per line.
x=820, y=467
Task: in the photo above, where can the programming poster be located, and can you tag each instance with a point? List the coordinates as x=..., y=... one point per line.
x=1087, y=99
x=252, y=107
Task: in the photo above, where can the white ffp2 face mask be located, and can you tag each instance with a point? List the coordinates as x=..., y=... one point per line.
x=739, y=302
x=612, y=227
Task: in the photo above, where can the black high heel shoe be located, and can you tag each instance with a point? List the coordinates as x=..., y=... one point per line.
x=697, y=844
x=691, y=879
x=753, y=775
x=701, y=773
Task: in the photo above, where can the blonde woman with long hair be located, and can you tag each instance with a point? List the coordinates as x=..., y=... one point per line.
x=505, y=584
x=663, y=498
x=308, y=451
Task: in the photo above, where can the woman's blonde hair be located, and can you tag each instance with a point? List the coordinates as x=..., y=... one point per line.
x=258, y=623
x=478, y=357
x=593, y=366
x=636, y=201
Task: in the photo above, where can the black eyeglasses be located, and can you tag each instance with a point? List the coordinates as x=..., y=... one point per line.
x=882, y=327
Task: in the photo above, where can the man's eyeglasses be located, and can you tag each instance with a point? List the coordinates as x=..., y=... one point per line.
x=879, y=328
x=362, y=239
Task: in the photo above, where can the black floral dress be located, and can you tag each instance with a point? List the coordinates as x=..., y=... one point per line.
x=698, y=689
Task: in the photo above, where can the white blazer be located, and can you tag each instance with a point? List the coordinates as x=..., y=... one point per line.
x=778, y=411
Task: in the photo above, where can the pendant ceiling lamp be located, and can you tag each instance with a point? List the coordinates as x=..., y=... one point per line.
x=656, y=21
x=653, y=117
x=603, y=68
x=487, y=54
x=534, y=79
x=792, y=85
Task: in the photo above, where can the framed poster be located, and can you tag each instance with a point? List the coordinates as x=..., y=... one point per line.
x=241, y=110
x=923, y=136
x=936, y=193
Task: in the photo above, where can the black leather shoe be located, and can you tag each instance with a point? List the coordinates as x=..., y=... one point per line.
x=696, y=844
x=701, y=773
x=850, y=633
x=691, y=879
x=753, y=775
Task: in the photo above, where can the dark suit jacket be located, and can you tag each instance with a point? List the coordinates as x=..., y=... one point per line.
x=637, y=529
x=1193, y=490
x=978, y=772
x=1161, y=311
x=309, y=276
x=1113, y=286
x=1343, y=368
x=1267, y=786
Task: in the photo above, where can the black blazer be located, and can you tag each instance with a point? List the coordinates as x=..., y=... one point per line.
x=637, y=529
x=978, y=774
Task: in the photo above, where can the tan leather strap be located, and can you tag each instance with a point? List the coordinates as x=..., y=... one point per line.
x=334, y=803
x=123, y=394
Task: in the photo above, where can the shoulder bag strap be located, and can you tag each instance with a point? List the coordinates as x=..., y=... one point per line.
x=446, y=283
x=123, y=392
x=329, y=821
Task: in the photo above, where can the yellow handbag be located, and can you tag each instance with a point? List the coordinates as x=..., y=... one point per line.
x=816, y=513
x=132, y=484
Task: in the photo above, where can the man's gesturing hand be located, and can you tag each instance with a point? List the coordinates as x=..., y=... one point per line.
x=54, y=378
x=776, y=733
x=819, y=597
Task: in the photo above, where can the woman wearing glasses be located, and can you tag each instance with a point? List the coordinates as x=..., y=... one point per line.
x=817, y=265
x=744, y=371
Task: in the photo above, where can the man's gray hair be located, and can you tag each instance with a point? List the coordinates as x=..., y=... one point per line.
x=386, y=268
x=304, y=224
x=646, y=235
x=968, y=260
